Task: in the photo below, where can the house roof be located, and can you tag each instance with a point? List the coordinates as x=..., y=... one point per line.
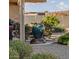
x=34, y=1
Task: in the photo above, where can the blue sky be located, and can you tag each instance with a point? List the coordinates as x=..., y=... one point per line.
x=50, y=5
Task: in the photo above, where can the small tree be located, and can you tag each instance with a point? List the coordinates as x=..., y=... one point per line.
x=50, y=22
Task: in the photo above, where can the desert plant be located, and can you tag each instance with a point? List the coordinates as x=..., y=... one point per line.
x=13, y=53
x=43, y=56
x=24, y=50
x=64, y=39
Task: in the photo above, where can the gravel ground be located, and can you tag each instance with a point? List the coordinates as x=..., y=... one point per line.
x=61, y=51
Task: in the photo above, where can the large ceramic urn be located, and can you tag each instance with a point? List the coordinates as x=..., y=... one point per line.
x=38, y=30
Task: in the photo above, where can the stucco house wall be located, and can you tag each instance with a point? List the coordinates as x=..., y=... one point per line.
x=28, y=19
x=14, y=12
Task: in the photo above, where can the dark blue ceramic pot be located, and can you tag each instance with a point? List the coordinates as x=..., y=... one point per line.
x=38, y=30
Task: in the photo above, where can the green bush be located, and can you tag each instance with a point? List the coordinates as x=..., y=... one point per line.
x=43, y=56
x=58, y=29
x=27, y=31
x=27, y=28
x=50, y=22
x=13, y=54
x=11, y=22
x=64, y=39
x=23, y=49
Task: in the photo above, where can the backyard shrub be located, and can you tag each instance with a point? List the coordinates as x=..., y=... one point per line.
x=64, y=39
x=27, y=31
x=43, y=56
x=17, y=29
x=24, y=50
x=47, y=32
x=17, y=26
x=58, y=29
x=27, y=28
x=11, y=22
x=13, y=54
x=50, y=22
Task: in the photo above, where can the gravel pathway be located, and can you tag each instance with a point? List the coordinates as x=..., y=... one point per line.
x=61, y=51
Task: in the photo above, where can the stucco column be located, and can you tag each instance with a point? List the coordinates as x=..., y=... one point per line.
x=21, y=15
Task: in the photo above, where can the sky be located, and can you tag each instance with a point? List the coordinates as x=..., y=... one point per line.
x=50, y=5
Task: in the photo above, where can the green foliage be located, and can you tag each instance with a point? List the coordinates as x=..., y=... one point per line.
x=64, y=39
x=47, y=32
x=16, y=25
x=27, y=28
x=59, y=29
x=23, y=49
x=50, y=21
x=11, y=22
x=43, y=56
x=27, y=31
x=13, y=54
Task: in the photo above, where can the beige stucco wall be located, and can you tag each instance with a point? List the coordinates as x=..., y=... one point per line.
x=28, y=19
x=64, y=21
x=14, y=12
